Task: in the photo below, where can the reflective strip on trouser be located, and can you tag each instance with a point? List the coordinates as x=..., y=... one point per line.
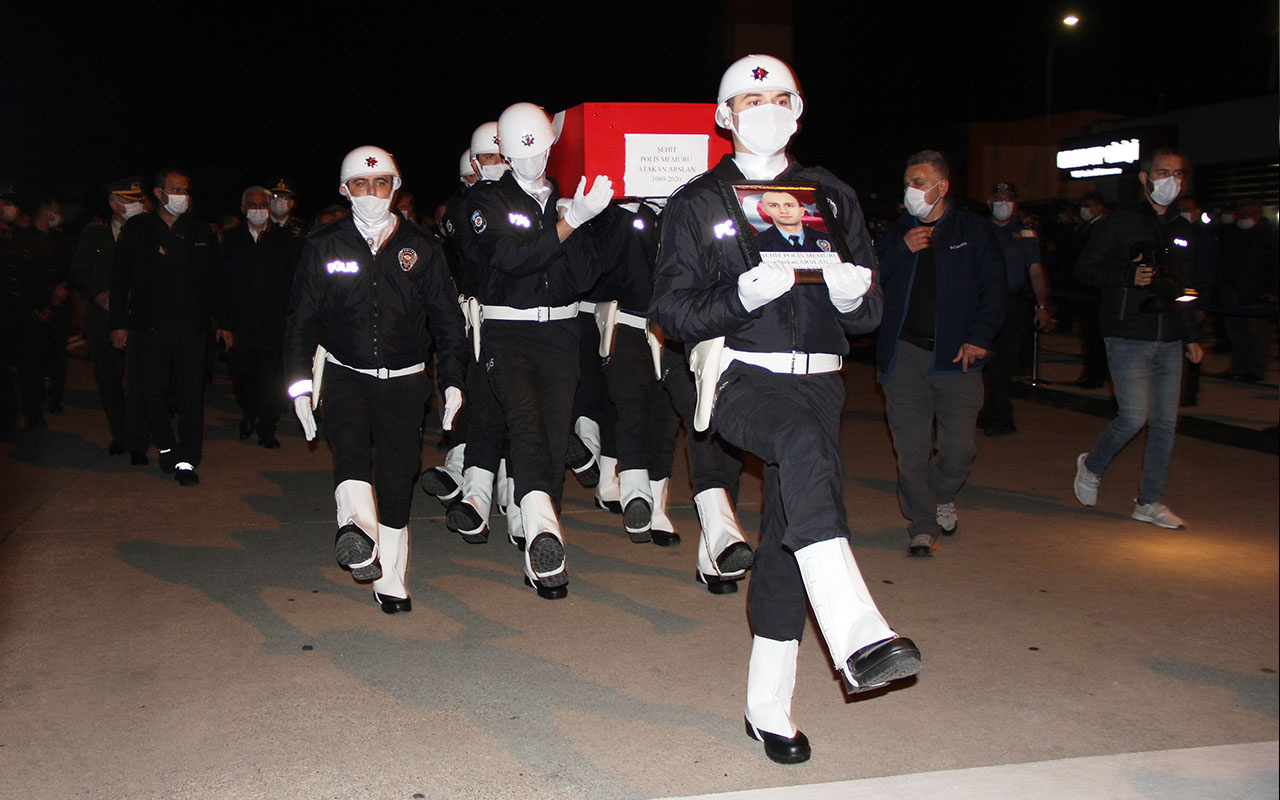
x=771, y=682
x=847, y=616
x=720, y=529
x=356, y=507
x=393, y=547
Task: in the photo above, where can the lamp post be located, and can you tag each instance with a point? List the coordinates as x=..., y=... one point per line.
x=1069, y=22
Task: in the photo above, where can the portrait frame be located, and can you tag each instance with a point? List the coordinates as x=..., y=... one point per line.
x=822, y=240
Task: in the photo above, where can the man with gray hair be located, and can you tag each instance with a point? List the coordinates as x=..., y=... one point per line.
x=945, y=292
x=255, y=274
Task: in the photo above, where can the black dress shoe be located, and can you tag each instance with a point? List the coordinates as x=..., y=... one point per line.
x=717, y=585
x=782, y=749
x=246, y=428
x=548, y=592
x=353, y=546
x=269, y=441
x=116, y=448
x=138, y=458
x=440, y=485
x=877, y=664
x=186, y=476
x=394, y=605
x=735, y=558
x=664, y=538
x=464, y=520
x=612, y=506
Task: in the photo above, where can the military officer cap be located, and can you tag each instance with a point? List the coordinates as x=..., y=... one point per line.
x=131, y=187
x=1005, y=188
x=282, y=186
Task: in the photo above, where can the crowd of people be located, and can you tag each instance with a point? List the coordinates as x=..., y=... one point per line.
x=577, y=332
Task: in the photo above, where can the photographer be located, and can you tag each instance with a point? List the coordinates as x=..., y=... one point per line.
x=1142, y=258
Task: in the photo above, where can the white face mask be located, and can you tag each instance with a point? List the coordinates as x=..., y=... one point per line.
x=131, y=210
x=54, y=220
x=1245, y=224
x=1002, y=210
x=370, y=211
x=1165, y=190
x=493, y=172
x=530, y=169
x=280, y=206
x=177, y=204
x=257, y=216
x=765, y=130
x=913, y=199
x=1085, y=213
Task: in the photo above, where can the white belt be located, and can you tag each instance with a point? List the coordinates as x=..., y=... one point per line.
x=586, y=307
x=539, y=314
x=787, y=363
x=632, y=320
x=382, y=373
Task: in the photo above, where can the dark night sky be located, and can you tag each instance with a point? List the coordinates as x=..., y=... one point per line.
x=239, y=93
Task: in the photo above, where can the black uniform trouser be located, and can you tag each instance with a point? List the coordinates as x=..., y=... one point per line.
x=713, y=462
x=165, y=357
x=998, y=374
x=485, y=433
x=10, y=339
x=32, y=342
x=108, y=372
x=257, y=379
x=793, y=424
x=646, y=427
x=592, y=398
x=54, y=354
x=533, y=368
x=375, y=427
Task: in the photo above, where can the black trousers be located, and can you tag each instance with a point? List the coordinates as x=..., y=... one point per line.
x=998, y=374
x=533, y=369
x=713, y=462
x=160, y=358
x=793, y=424
x=257, y=379
x=375, y=427
x=592, y=398
x=108, y=372
x=646, y=426
x=485, y=433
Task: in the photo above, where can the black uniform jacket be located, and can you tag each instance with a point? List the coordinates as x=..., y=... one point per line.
x=374, y=312
x=627, y=246
x=699, y=261
x=163, y=276
x=254, y=281
x=518, y=256
x=1107, y=262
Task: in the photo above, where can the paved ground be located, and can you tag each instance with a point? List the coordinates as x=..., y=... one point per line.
x=157, y=641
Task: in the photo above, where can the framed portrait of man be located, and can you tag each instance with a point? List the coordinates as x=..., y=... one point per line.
x=788, y=223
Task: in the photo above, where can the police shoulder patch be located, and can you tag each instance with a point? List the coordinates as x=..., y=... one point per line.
x=477, y=222
x=824, y=245
x=408, y=258
x=448, y=227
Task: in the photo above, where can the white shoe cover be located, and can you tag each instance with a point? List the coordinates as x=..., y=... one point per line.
x=394, y=546
x=515, y=521
x=453, y=462
x=771, y=682
x=609, y=489
x=477, y=490
x=847, y=616
x=661, y=522
x=538, y=515
x=356, y=506
x=588, y=431
x=504, y=487
x=720, y=529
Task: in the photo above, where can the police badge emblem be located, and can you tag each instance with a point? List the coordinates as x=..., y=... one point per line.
x=408, y=257
x=448, y=227
x=477, y=222
x=823, y=245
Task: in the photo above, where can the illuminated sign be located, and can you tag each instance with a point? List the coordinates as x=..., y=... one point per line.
x=1111, y=153
x=1125, y=151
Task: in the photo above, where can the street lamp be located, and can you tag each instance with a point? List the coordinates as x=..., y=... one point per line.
x=1069, y=21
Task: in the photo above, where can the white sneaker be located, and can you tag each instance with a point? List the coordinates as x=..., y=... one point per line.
x=1157, y=514
x=947, y=518
x=1086, y=484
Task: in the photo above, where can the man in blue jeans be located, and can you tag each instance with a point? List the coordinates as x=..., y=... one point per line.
x=1142, y=258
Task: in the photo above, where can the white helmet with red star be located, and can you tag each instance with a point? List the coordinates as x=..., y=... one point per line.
x=464, y=164
x=485, y=139
x=369, y=160
x=524, y=131
x=756, y=73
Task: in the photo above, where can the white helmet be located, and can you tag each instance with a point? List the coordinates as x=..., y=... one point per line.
x=369, y=160
x=464, y=164
x=524, y=131
x=756, y=74
x=485, y=139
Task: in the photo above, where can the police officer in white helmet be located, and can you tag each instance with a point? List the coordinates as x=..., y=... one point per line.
x=532, y=269
x=780, y=397
x=371, y=293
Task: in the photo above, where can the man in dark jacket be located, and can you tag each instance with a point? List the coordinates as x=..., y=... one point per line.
x=1143, y=257
x=945, y=294
x=780, y=396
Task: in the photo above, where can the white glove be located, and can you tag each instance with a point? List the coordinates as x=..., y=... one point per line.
x=302, y=407
x=764, y=283
x=586, y=205
x=846, y=284
x=562, y=206
x=452, y=405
